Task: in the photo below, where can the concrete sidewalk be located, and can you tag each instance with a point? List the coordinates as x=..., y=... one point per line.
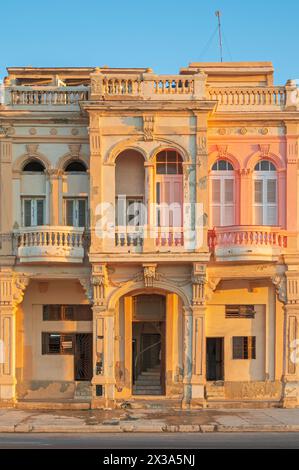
x=96, y=421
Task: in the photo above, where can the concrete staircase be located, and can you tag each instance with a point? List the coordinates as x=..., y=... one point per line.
x=215, y=391
x=148, y=382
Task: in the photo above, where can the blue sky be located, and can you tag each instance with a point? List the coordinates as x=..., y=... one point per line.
x=164, y=35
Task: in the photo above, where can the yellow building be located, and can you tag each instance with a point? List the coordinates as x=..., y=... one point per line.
x=149, y=237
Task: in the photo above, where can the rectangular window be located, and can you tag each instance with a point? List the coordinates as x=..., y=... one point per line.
x=223, y=200
x=33, y=211
x=75, y=212
x=67, y=313
x=244, y=347
x=57, y=343
x=239, y=311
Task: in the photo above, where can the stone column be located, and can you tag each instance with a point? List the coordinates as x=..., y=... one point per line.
x=96, y=186
x=11, y=294
x=53, y=216
x=288, y=291
x=187, y=355
x=6, y=195
x=149, y=229
x=245, y=192
x=201, y=182
x=103, y=380
x=198, y=378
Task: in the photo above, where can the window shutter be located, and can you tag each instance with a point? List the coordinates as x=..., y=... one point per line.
x=228, y=218
x=40, y=212
x=81, y=212
x=216, y=191
x=258, y=215
x=216, y=216
x=271, y=191
x=258, y=191
x=228, y=191
x=27, y=212
x=69, y=212
x=271, y=215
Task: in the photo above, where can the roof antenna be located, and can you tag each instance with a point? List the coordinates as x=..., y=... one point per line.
x=218, y=14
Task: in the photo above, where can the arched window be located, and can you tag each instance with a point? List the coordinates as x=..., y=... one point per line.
x=222, y=194
x=265, y=193
x=34, y=166
x=76, y=167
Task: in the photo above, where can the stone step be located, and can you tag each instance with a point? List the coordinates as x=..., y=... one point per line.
x=150, y=374
x=144, y=383
x=147, y=392
x=147, y=387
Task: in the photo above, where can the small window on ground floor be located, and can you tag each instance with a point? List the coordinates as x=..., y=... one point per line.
x=67, y=313
x=244, y=347
x=239, y=311
x=57, y=343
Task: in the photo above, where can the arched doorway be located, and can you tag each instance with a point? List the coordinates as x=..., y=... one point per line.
x=148, y=344
x=149, y=328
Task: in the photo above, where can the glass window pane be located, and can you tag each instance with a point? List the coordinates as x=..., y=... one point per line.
x=264, y=165
x=69, y=209
x=27, y=213
x=171, y=168
x=161, y=168
x=40, y=212
x=82, y=212
x=222, y=165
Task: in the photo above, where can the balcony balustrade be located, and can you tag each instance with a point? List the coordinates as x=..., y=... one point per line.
x=155, y=87
x=257, y=97
x=247, y=243
x=50, y=244
x=45, y=96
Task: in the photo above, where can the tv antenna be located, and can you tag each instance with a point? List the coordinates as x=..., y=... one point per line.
x=218, y=14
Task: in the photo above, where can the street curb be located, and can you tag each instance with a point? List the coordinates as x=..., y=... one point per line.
x=130, y=428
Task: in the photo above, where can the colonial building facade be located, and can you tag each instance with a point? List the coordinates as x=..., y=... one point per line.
x=149, y=237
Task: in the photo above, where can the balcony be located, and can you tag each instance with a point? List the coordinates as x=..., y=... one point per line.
x=45, y=96
x=144, y=239
x=50, y=244
x=247, y=243
x=269, y=98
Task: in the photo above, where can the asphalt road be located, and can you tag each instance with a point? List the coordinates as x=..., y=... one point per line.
x=151, y=441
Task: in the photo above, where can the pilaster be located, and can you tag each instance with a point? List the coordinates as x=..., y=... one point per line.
x=12, y=289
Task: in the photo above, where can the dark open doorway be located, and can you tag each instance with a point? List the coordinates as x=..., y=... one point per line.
x=215, y=359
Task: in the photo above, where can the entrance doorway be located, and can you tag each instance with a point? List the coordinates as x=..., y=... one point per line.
x=148, y=345
x=215, y=359
x=83, y=356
